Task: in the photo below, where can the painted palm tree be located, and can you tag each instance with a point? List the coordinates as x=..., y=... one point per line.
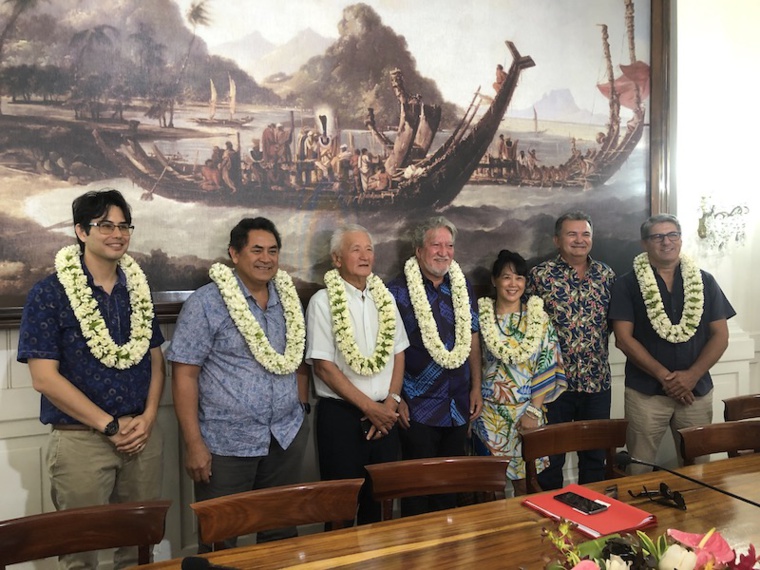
x=151, y=57
x=149, y=52
x=18, y=7
x=87, y=40
x=197, y=15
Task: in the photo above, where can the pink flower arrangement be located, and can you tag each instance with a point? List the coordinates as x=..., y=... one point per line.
x=674, y=550
x=707, y=551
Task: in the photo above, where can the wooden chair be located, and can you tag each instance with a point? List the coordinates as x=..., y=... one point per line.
x=572, y=436
x=72, y=531
x=741, y=407
x=729, y=437
x=417, y=477
x=276, y=507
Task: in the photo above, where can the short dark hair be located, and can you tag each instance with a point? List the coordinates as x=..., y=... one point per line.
x=94, y=205
x=646, y=227
x=239, y=234
x=574, y=216
x=506, y=258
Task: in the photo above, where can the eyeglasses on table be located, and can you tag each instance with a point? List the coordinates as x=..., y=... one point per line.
x=664, y=495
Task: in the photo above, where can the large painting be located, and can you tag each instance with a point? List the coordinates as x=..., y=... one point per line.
x=498, y=114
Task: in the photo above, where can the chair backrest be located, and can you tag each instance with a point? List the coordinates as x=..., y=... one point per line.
x=277, y=507
x=417, y=477
x=72, y=531
x=741, y=407
x=561, y=438
x=728, y=437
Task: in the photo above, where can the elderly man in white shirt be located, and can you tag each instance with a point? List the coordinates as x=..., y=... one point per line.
x=355, y=341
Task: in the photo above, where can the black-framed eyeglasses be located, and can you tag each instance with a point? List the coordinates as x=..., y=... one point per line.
x=659, y=238
x=107, y=228
x=664, y=496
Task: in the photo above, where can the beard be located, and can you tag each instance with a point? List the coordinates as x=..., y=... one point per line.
x=438, y=269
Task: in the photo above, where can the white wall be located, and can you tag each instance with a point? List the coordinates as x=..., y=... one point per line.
x=718, y=49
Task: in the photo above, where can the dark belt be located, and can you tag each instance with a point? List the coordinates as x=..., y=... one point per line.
x=80, y=427
x=72, y=427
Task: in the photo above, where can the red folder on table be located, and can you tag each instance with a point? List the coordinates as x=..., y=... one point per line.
x=619, y=516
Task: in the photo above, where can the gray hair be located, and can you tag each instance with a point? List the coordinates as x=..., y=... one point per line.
x=336, y=241
x=418, y=235
x=646, y=227
x=573, y=216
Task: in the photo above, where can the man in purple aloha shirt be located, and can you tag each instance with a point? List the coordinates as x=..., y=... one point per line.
x=576, y=290
x=441, y=400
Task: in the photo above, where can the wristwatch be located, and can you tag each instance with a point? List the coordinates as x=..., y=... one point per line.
x=112, y=428
x=395, y=397
x=306, y=406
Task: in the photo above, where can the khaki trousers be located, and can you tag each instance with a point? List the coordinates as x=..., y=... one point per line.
x=648, y=418
x=86, y=470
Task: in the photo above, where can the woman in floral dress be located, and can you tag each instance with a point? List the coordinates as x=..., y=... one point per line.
x=522, y=366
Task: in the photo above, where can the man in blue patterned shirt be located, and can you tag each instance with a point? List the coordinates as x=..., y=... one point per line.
x=442, y=391
x=576, y=290
x=243, y=425
x=100, y=390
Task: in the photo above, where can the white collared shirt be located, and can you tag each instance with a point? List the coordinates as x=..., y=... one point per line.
x=320, y=341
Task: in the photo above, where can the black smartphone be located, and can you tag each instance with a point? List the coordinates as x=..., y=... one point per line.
x=366, y=425
x=582, y=504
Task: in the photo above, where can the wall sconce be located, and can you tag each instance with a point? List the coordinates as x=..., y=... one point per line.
x=719, y=229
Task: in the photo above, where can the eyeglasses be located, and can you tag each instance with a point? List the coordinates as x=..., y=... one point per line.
x=664, y=496
x=659, y=238
x=107, y=228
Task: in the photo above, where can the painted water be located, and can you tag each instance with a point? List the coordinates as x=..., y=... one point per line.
x=489, y=217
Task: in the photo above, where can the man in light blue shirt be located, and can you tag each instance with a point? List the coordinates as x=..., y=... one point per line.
x=240, y=400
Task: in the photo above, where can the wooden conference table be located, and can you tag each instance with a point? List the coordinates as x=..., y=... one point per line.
x=505, y=534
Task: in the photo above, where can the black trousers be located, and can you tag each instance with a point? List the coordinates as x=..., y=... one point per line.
x=422, y=441
x=343, y=450
x=577, y=406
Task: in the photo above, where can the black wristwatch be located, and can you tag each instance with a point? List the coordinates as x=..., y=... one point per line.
x=112, y=428
x=306, y=407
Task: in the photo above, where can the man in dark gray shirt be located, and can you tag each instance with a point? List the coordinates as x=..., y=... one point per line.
x=667, y=372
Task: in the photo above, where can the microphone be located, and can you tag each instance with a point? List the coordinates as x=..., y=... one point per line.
x=623, y=459
x=199, y=563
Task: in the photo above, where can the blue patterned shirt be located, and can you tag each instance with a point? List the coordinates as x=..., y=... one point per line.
x=241, y=404
x=49, y=330
x=578, y=310
x=436, y=396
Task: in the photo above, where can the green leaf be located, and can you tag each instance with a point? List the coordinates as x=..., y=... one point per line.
x=647, y=544
x=593, y=548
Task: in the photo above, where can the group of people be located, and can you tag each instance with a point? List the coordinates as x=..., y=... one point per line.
x=222, y=170
x=317, y=159
x=508, y=162
x=274, y=146
x=404, y=370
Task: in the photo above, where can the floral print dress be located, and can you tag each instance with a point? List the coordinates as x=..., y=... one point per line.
x=508, y=388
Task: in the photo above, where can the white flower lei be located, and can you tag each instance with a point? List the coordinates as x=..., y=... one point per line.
x=68, y=265
x=503, y=349
x=343, y=328
x=249, y=327
x=428, y=328
x=694, y=299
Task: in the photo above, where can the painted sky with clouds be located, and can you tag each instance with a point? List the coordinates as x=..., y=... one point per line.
x=458, y=43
